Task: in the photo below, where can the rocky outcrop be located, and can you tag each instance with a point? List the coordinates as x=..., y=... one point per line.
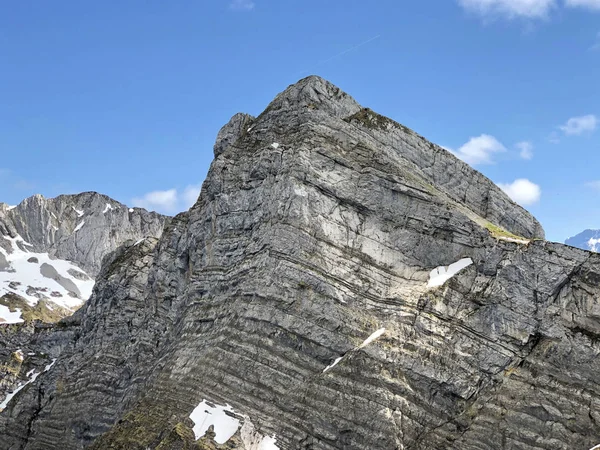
x=302, y=294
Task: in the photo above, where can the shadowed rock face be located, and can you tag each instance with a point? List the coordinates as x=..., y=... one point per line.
x=295, y=291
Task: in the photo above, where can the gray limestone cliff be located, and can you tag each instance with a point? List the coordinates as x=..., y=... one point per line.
x=312, y=291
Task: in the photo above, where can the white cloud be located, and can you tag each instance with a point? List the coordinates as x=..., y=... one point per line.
x=163, y=201
x=580, y=125
x=480, y=150
x=241, y=5
x=588, y=4
x=530, y=9
x=594, y=185
x=190, y=195
x=170, y=201
x=522, y=191
x=525, y=149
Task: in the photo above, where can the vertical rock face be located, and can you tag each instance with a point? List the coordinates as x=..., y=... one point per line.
x=302, y=294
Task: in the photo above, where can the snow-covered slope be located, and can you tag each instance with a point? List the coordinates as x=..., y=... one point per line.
x=51, y=249
x=587, y=240
x=28, y=277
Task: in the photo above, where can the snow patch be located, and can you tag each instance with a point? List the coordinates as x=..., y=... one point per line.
x=333, y=364
x=32, y=374
x=139, y=241
x=11, y=207
x=22, y=275
x=8, y=317
x=130, y=209
x=441, y=274
x=366, y=342
x=593, y=245
x=205, y=415
x=253, y=440
x=107, y=208
x=226, y=424
x=49, y=366
x=597, y=447
x=79, y=226
x=371, y=338
x=275, y=145
x=79, y=213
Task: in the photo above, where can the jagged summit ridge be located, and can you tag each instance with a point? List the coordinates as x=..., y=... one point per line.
x=314, y=106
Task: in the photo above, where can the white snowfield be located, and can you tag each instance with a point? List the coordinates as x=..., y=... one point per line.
x=594, y=247
x=441, y=274
x=6, y=316
x=24, y=277
x=226, y=423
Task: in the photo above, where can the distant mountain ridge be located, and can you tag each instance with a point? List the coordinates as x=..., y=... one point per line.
x=51, y=250
x=81, y=228
x=586, y=240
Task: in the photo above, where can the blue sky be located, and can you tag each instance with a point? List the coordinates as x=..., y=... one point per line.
x=126, y=98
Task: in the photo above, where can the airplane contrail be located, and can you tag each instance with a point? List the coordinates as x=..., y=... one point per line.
x=342, y=53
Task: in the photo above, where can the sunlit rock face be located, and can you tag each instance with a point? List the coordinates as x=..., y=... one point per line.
x=341, y=283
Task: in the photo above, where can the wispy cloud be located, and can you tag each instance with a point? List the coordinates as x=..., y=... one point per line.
x=479, y=150
x=587, y=4
x=530, y=9
x=169, y=201
x=522, y=191
x=523, y=9
x=594, y=185
x=525, y=150
x=577, y=126
x=241, y=5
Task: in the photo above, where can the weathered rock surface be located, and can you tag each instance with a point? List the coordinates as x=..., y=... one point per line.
x=296, y=291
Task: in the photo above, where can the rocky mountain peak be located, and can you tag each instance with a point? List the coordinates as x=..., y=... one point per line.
x=315, y=93
x=341, y=284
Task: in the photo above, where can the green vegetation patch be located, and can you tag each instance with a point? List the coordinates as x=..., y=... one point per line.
x=500, y=233
x=45, y=311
